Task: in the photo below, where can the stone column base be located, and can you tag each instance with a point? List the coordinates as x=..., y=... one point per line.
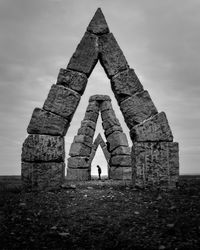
x=78, y=174
x=43, y=175
x=120, y=173
x=155, y=164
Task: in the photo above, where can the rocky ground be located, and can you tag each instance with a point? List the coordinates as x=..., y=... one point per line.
x=101, y=215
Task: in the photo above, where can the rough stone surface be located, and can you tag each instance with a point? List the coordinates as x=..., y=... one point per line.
x=86, y=55
x=121, y=150
x=120, y=173
x=43, y=122
x=78, y=174
x=62, y=101
x=155, y=163
x=107, y=124
x=112, y=129
x=155, y=128
x=120, y=160
x=87, y=140
x=98, y=24
x=43, y=148
x=93, y=106
x=92, y=116
x=88, y=123
x=99, y=98
x=125, y=84
x=111, y=56
x=106, y=105
x=79, y=149
x=115, y=140
x=86, y=131
x=78, y=162
x=42, y=176
x=137, y=108
x=108, y=115
x=72, y=80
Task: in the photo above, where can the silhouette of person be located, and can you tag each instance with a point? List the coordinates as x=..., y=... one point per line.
x=99, y=171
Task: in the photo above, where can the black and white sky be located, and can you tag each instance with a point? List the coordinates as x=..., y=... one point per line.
x=160, y=40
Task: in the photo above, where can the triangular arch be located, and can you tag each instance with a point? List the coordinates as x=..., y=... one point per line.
x=43, y=150
x=116, y=149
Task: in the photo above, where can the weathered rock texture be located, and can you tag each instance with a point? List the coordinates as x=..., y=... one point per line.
x=155, y=164
x=85, y=57
x=116, y=150
x=42, y=175
x=78, y=174
x=73, y=80
x=125, y=84
x=38, y=148
x=44, y=122
x=137, y=108
x=141, y=116
x=155, y=128
x=111, y=56
x=98, y=24
x=62, y=101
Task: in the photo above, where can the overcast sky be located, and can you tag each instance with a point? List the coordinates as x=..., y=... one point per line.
x=160, y=40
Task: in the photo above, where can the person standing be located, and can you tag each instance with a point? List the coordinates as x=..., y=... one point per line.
x=99, y=172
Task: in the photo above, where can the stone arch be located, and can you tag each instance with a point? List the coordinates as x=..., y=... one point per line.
x=79, y=163
x=43, y=150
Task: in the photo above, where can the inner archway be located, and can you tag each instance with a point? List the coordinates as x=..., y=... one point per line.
x=99, y=159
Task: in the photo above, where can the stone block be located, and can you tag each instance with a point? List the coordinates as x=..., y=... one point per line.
x=107, y=124
x=44, y=122
x=88, y=123
x=86, y=131
x=92, y=116
x=106, y=154
x=87, y=140
x=112, y=129
x=120, y=160
x=125, y=84
x=79, y=149
x=62, y=101
x=115, y=140
x=155, y=164
x=111, y=56
x=43, y=175
x=43, y=148
x=137, y=108
x=78, y=174
x=78, y=162
x=108, y=115
x=99, y=98
x=72, y=80
x=93, y=106
x=85, y=57
x=155, y=128
x=120, y=173
x=106, y=105
x=121, y=150
x=98, y=24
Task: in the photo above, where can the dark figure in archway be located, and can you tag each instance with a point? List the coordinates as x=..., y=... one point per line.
x=99, y=171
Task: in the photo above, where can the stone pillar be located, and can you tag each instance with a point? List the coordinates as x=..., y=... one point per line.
x=117, y=145
x=78, y=167
x=43, y=151
x=154, y=154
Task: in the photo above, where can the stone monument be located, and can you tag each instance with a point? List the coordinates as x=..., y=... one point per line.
x=155, y=157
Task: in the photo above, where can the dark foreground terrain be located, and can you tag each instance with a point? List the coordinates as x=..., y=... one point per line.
x=100, y=215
